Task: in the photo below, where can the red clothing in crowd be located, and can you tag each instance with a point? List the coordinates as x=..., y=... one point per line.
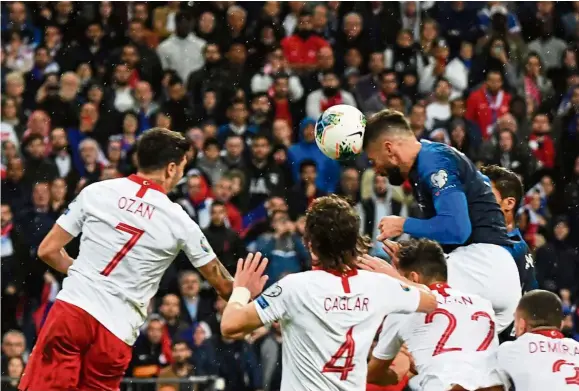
x=234, y=217
x=543, y=149
x=484, y=109
x=282, y=111
x=302, y=51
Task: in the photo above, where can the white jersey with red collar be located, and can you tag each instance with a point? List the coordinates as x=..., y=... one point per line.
x=541, y=360
x=131, y=232
x=455, y=344
x=328, y=322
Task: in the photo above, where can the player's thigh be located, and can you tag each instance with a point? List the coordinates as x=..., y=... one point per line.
x=55, y=361
x=488, y=271
x=105, y=363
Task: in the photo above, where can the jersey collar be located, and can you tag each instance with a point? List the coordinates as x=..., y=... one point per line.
x=344, y=276
x=146, y=183
x=551, y=333
x=440, y=287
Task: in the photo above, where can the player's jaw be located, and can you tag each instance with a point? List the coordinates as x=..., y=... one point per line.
x=174, y=173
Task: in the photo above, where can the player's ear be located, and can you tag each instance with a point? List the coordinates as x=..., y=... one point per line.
x=509, y=203
x=414, y=277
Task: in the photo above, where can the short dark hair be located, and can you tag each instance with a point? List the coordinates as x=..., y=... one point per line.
x=262, y=136
x=211, y=142
x=180, y=342
x=158, y=147
x=386, y=72
x=507, y=183
x=385, y=121
x=307, y=163
x=423, y=256
x=333, y=233
x=217, y=203
x=541, y=309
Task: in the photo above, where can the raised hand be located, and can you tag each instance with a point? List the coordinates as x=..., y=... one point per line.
x=249, y=273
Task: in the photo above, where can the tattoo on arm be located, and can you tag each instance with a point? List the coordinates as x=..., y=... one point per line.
x=218, y=277
x=222, y=270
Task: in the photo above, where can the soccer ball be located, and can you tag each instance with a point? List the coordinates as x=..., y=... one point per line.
x=340, y=132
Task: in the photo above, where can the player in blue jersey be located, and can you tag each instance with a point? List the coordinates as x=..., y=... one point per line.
x=458, y=206
x=508, y=191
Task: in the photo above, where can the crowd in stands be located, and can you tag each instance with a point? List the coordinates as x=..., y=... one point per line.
x=245, y=82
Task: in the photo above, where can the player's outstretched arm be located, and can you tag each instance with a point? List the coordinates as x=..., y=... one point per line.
x=381, y=372
x=218, y=277
x=52, y=251
x=240, y=317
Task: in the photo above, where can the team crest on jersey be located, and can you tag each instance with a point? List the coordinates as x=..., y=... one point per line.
x=273, y=291
x=262, y=302
x=439, y=179
x=204, y=244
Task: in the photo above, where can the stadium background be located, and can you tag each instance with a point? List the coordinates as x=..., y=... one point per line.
x=245, y=82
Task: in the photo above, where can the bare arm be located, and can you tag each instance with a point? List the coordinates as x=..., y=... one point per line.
x=381, y=373
x=218, y=277
x=239, y=320
x=52, y=251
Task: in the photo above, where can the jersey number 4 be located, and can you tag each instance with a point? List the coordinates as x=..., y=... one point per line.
x=344, y=352
x=136, y=234
x=441, y=345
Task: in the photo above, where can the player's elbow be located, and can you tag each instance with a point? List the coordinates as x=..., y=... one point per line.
x=427, y=302
x=46, y=251
x=461, y=229
x=230, y=329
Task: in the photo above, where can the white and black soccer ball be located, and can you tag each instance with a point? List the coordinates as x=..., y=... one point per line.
x=340, y=132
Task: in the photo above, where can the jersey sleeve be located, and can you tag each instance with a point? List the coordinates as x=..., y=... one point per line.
x=196, y=246
x=440, y=171
x=506, y=358
x=401, y=298
x=389, y=341
x=73, y=217
x=272, y=304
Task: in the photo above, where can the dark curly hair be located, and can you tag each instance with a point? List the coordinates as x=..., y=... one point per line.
x=425, y=257
x=333, y=233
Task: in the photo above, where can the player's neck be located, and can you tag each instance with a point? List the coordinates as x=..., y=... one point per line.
x=414, y=147
x=155, y=177
x=551, y=332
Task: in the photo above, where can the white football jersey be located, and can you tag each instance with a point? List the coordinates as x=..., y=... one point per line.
x=455, y=344
x=541, y=360
x=131, y=234
x=328, y=323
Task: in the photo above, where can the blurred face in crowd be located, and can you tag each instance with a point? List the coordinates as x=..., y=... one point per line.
x=170, y=307
x=94, y=33
x=281, y=223
x=122, y=75
x=95, y=95
x=41, y=195
x=52, y=36
x=105, y=9
x=218, y=215
x=15, y=367
x=417, y=117
x=143, y=93
x=130, y=56
x=206, y=22
x=58, y=189
x=41, y=58
x=181, y=353
x=15, y=169
x=271, y=8
x=89, y=152
x=9, y=150
x=114, y=151
x=533, y=66
x=38, y=122
x=304, y=26
x=282, y=132
x=6, y=215
x=309, y=133
x=350, y=181
x=234, y=146
x=211, y=152
x=18, y=13
x=212, y=54
x=109, y=172
x=320, y=17
x=309, y=174
x=404, y=39
x=36, y=149
x=260, y=106
x=352, y=25
x=330, y=84
x=541, y=124
x=466, y=50
x=389, y=84
x=494, y=82
x=457, y=108
x=281, y=88
x=140, y=12
x=194, y=186
x=69, y=86
x=429, y=31
x=548, y=185
x=190, y=284
x=326, y=58
x=13, y=344
x=442, y=91
x=396, y=103
x=197, y=137
x=380, y=185
x=155, y=331
x=223, y=190
x=130, y=124
x=209, y=100
x=136, y=31
x=58, y=139
x=237, y=54
x=506, y=141
x=177, y=92
x=14, y=87
x=458, y=135
x=376, y=63
x=88, y=114
x=353, y=58
x=236, y=19
x=183, y=27
x=276, y=203
x=239, y=113
x=199, y=335
x=561, y=231
x=9, y=111
x=260, y=149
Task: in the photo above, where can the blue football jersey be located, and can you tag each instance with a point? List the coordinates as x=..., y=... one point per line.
x=524, y=259
x=440, y=170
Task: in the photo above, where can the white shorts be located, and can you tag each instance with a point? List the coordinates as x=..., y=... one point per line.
x=489, y=271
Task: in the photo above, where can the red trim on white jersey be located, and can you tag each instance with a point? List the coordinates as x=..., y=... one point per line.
x=343, y=275
x=146, y=184
x=551, y=333
x=440, y=287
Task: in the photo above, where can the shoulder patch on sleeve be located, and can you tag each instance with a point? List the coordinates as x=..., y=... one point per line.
x=439, y=178
x=262, y=302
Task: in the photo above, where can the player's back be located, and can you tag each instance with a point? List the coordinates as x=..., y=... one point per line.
x=541, y=360
x=442, y=168
x=329, y=323
x=131, y=234
x=455, y=344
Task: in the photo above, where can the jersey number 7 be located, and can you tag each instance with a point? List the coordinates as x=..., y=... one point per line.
x=136, y=234
x=346, y=352
x=440, y=346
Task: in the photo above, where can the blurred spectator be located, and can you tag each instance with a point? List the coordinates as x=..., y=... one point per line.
x=533, y=83
x=541, y=143
x=196, y=201
x=15, y=368
x=193, y=306
x=301, y=46
x=13, y=346
x=305, y=191
x=38, y=167
x=170, y=310
x=438, y=111
x=276, y=64
x=180, y=367
x=238, y=365
x=370, y=82
x=210, y=163
x=239, y=125
x=547, y=46
x=151, y=351
x=165, y=19
x=329, y=95
x=378, y=100
x=349, y=186
x=271, y=358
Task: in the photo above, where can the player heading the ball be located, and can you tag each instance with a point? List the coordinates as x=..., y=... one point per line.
x=328, y=315
x=131, y=232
